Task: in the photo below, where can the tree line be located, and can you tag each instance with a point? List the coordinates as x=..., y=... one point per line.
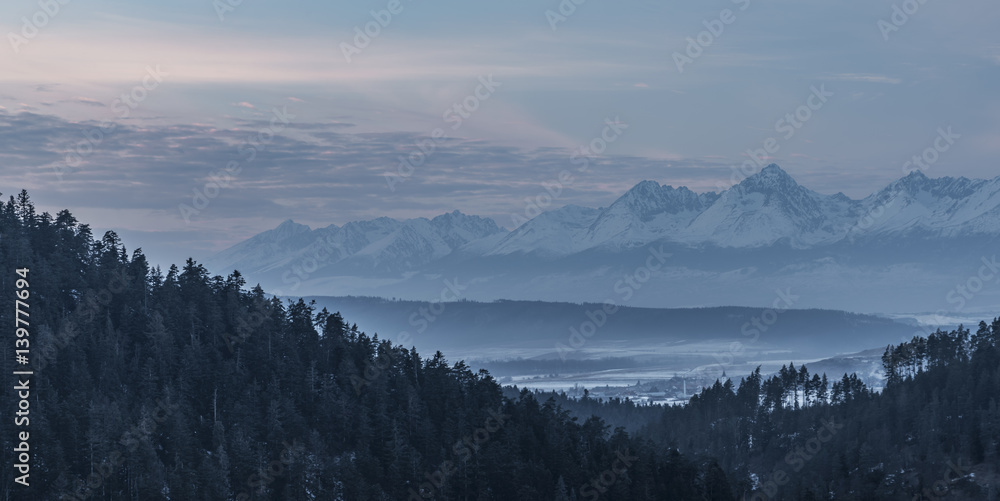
x=179, y=384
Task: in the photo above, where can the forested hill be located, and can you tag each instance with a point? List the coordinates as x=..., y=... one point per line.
x=537, y=325
x=932, y=434
x=180, y=385
x=176, y=384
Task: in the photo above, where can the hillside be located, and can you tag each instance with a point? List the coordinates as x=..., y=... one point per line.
x=539, y=328
x=181, y=385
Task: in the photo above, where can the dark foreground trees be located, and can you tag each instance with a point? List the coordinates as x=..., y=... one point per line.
x=932, y=433
x=176, y=384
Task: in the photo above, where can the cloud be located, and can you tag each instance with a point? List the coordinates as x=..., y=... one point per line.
x=99, y=56
x=137, y=176
x=88, y=101
x=855, y=77
x=313, y=126
x=318, y=173
x=222, y=80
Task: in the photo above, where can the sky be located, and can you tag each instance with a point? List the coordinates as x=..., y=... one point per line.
x=188, y=126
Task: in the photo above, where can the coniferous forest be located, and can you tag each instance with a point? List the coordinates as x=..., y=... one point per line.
x=181, y=384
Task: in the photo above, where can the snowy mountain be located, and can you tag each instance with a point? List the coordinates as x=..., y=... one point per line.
x=769, y=207
x=558, y=232
x=646, y=213
x=379, y=245
x=268, y=247
x=945, y=207
x=733, y=247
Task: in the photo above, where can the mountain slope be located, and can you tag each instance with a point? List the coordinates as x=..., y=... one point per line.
x=765, y=209
x=945, y=207
x=379, y=245
x=557, y=232
x=735, y=247
x=769, y=207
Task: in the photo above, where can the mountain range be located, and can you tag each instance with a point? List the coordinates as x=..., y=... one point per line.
x=764, y=233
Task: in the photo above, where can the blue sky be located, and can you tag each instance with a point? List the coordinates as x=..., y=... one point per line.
x=218, y=82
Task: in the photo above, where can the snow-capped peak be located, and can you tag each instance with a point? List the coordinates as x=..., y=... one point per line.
x=648, y=198
x=289, y=228
x=458, y=229
x=770, y=179
x=768, y=208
